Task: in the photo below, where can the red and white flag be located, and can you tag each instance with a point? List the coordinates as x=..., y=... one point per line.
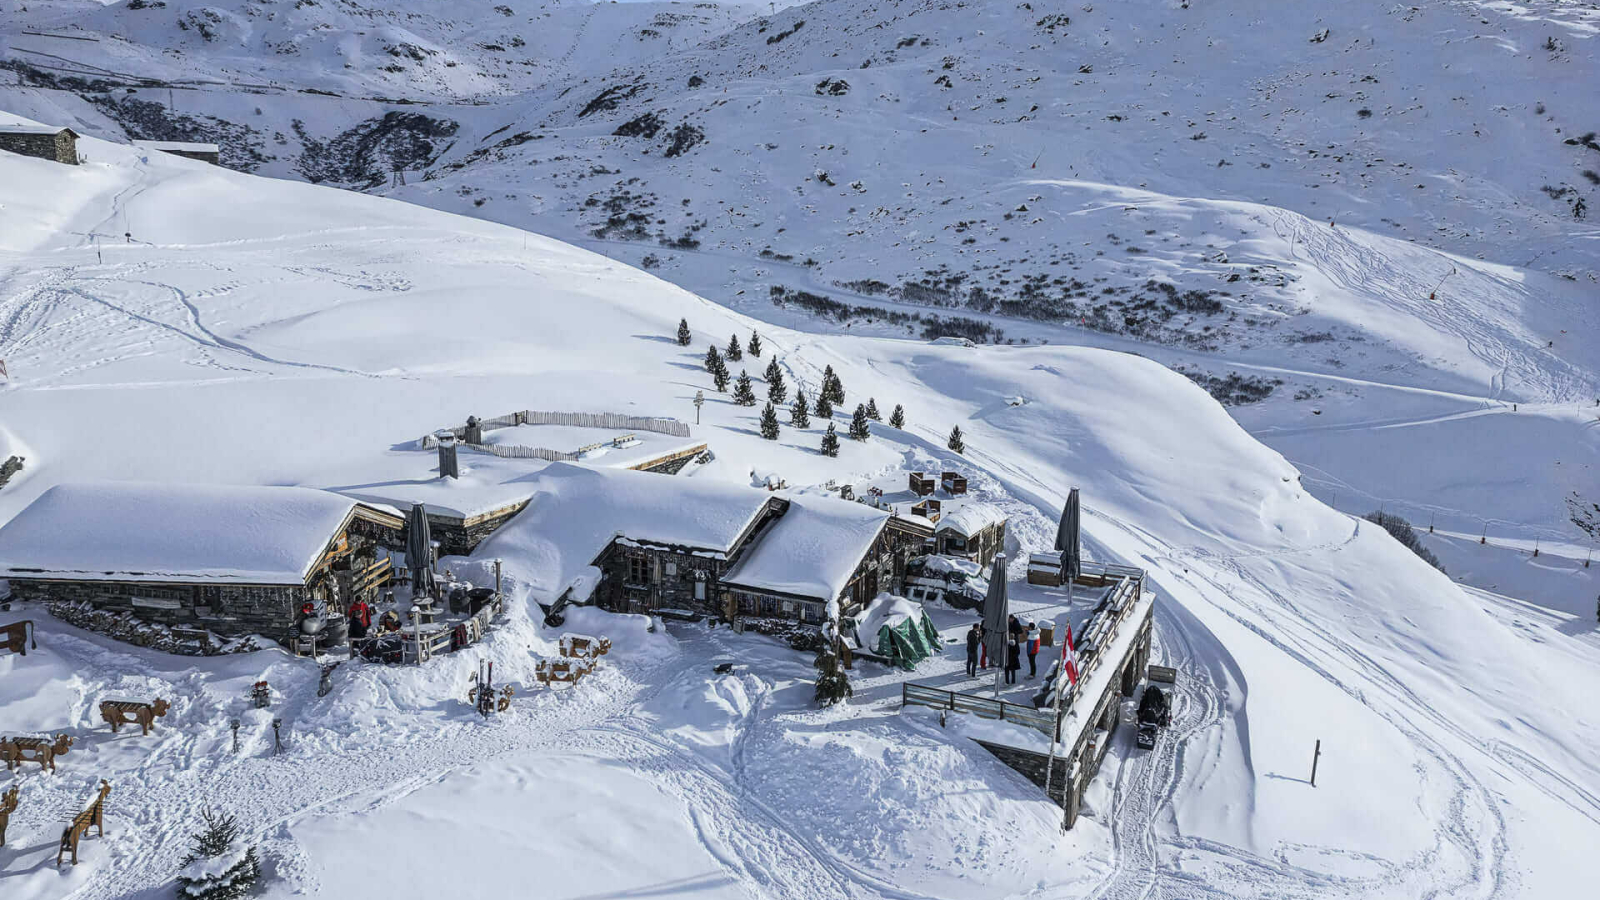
x=1069, y=657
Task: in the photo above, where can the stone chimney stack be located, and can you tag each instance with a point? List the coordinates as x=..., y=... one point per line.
x=448, y=468
x=474, y=433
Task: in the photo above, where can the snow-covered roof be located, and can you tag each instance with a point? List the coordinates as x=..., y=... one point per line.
x=812, y=549
x=188, y=533
x=968, y=516
x=575, y=511
x=33, y=129
x=178, y=146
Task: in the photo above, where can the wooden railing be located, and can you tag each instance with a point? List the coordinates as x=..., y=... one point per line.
x=922, y=695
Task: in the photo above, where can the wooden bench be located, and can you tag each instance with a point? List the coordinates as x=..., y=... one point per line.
x=8, y=805
x=95, y=815
x=17, y=750
x=584, y=646
x=17, y=637
x=550, y=671
x=953, y=482
x=920, y=484
x=119, y=712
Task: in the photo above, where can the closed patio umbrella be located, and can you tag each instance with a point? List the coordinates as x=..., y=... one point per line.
x=419, y=551
x=1067, y=538
x=995, y=615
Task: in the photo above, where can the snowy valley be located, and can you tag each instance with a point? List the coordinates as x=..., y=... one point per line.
x=1242, y=273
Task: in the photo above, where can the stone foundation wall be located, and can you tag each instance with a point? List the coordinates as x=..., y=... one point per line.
x=228, y=610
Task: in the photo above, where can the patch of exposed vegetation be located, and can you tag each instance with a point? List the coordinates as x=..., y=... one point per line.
x=1401, y=530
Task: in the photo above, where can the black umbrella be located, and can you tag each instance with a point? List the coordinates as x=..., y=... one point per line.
x=995, y=618
x=419, y=551
x=1067, y=538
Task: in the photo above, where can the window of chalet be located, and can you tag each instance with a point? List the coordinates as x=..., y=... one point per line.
x=638, y=570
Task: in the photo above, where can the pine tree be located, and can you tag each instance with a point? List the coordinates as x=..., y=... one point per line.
x=898, y=417
x=720, y=378
x=824, y=407
x=859, y=428
x=872, y=409
x=713, y=360
x=214, y=869
x=956, y=443
x=735, y=353
x=769, y=422
x=833, y=686
x=777, y=390
x=755, y=345
x=800, y=416
x=832, y=386
x=773, y=372
x=683, y=333
x=743, y=394
x=830, y=442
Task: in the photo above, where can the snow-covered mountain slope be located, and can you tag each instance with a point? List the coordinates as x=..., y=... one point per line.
x=266, y=332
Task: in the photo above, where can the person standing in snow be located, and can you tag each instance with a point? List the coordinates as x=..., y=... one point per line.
x=974, y=641
x=1033, y=649
x=360, y=619
x=1013, y=658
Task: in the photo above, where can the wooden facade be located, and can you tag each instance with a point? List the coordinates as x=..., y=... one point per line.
x=979, y=546
x=234, y=609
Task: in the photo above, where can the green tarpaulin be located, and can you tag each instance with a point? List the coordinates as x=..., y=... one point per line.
x=908, y=642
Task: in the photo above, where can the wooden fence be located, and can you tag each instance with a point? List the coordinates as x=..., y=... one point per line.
x=922, y=695
x=570, y=419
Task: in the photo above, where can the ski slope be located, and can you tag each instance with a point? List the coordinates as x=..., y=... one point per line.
x=269, y=332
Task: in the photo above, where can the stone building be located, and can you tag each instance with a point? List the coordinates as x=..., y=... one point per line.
x=233, y=560
x=42, y=141
x=207, y=153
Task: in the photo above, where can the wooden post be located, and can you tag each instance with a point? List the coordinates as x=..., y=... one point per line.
x=1315, y=755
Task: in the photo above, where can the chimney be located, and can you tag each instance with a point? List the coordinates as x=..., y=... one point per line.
x=474, y=433
x=447, y=454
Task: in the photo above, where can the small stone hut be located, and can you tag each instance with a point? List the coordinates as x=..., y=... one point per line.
x=43, y=141
x=230, y=559
x=207, y=153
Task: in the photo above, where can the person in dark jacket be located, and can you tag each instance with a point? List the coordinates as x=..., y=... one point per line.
x=974, y=641
x=1031, y=644
x=1013, y=659
x=360, y=619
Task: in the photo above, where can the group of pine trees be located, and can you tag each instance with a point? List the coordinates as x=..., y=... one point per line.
x=830, y=395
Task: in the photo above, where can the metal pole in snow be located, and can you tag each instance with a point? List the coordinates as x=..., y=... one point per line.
x=1061, y=669
x=1315, y=755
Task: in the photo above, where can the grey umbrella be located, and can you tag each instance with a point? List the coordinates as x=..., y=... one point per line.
x=1067, y=538
x=419, y=550
x=995, y=616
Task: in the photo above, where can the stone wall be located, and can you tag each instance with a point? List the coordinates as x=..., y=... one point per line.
x=1033, y=767
x=60, y=147
x=228, y=610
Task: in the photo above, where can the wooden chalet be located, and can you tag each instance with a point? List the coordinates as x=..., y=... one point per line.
x=233, y=560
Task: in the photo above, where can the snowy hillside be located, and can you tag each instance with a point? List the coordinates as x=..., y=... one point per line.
x=318, y=334
x=1305, y=209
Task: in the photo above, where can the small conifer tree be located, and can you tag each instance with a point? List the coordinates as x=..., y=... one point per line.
x=683, y=333
x=872, y=410
x=215, y=869
x=769, y=422
x=859, y=426
x=713, y=360
x=743, y=394
x=755, y=345
x=898, y=417
x=824, y=407
x=834, y=387
x=720, y=378
x=735, y=352
x=833, y=686
x=830, y=442
x=956, y=443
x=777, y=390
x=800, y=416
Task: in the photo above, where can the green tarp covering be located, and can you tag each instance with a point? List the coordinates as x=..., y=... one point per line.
x=908, y=642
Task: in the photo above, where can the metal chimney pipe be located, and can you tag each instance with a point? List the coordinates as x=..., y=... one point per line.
x=448, y=467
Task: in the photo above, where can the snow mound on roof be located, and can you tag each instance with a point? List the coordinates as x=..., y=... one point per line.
x=135, y=531
x=885, y=609
x=576, y=511
x=812, y=550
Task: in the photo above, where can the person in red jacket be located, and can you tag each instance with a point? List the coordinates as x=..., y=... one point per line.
x=1033, y=649
x=360, y=619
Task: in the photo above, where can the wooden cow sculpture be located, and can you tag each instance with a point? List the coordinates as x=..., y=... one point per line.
x=549, y=671
x=8, y=805
x=94, y=815
x=17, y=637
x=118, y=712
x=18, y=750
